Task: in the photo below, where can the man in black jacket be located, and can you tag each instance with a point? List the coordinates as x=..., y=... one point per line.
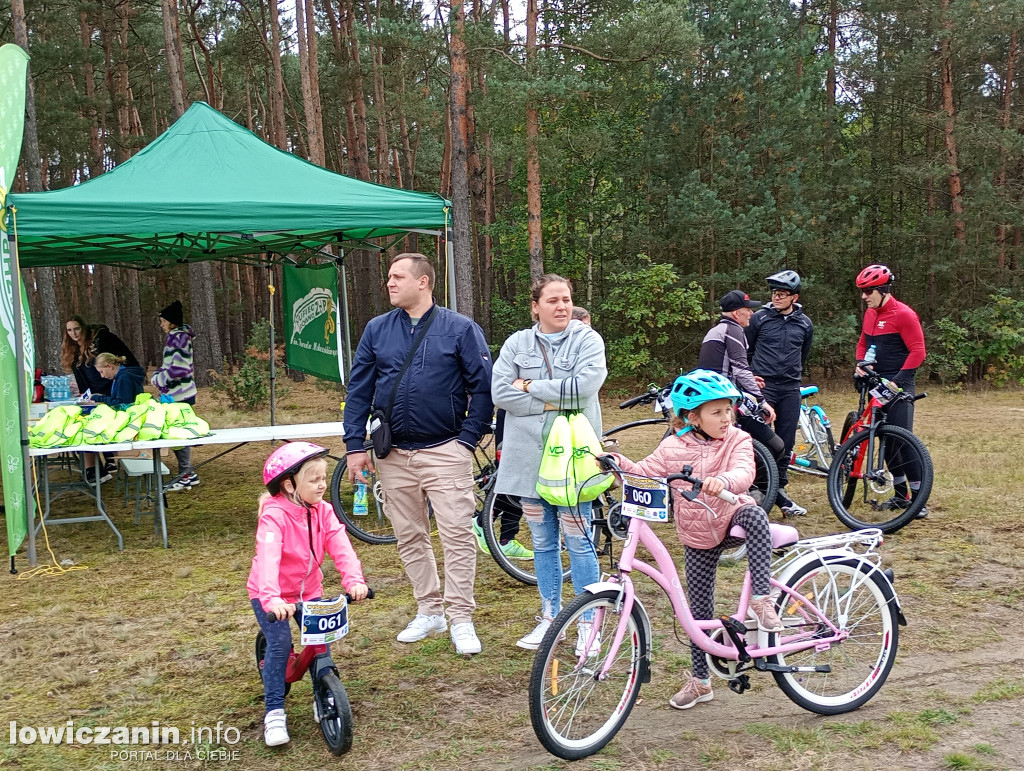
x=779, y=338
x=441, y=408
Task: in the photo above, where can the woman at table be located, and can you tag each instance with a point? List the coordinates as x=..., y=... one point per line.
x=175, y=379
x=81, y=343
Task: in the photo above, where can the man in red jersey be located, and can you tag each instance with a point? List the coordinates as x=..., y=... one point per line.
x=894, y=329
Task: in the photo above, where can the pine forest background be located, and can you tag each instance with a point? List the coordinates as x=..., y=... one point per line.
x=657, y=152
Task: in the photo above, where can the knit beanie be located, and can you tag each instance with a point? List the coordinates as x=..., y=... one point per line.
x=174, y=313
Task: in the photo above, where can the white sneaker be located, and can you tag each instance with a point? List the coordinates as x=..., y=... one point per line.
x=582, y=635
x=421, y=627
x=275, y=728
x=465, y=639
x=531, y=642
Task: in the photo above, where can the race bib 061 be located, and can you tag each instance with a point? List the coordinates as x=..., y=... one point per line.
x=324, y=621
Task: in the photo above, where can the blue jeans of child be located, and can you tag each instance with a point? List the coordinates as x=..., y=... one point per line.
x=275, y=660
x=545, y=521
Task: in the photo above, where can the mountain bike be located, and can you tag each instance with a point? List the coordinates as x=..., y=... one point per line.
x=504, y=512
x=839, y=609
x=327, y=619
x=869, y=480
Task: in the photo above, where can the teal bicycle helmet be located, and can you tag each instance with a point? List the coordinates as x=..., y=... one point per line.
x=699, y=387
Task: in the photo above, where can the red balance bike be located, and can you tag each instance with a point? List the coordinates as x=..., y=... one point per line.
x=325, y=620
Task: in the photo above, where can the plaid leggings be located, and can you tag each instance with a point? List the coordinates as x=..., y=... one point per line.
x=702, y=570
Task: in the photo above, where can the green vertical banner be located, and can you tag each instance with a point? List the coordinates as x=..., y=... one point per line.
x=13, y=70
x=311, y=328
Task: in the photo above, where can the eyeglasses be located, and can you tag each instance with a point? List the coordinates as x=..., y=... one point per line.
x=781, y=293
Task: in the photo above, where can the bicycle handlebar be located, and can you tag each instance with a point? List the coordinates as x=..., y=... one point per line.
x=874, y=379
x=607, y=463
x=271, y=618
x=653, y=392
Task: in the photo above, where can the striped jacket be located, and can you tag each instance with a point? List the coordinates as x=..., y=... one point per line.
x=175, y=376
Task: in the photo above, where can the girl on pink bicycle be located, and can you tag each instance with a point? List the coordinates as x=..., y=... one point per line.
x=295, y=529
x=707, y=439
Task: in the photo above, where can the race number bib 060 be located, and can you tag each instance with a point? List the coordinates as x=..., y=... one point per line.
x=644, y=498
x=324, y=621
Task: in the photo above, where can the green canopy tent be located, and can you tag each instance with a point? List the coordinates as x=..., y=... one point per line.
x=208, y=189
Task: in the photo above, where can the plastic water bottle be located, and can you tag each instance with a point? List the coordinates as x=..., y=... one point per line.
x=359, y=508
x=871, y=356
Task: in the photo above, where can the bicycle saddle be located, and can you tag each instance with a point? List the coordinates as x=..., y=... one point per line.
x=782, y=535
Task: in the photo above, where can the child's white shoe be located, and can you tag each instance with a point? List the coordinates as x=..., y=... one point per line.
x=275, y=728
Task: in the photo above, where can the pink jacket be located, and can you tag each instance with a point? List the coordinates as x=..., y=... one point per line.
x=282, y=552
x=731, y=459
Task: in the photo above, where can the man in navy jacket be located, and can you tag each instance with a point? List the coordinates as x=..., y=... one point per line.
x=780, y=337
x=442, y=407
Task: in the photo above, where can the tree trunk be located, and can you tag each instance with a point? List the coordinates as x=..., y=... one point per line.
x=305, y=22
x=50, y=333
x=952, y=163
x=379, y=103
x=1004, y=124
x=461, y=246
x=280, y=137
x=173, y=56
x=533, y=210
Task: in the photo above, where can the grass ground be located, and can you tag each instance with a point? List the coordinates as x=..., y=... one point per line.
x=149, y=634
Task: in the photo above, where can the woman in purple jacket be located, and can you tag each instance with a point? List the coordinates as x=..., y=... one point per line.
x=174, y=378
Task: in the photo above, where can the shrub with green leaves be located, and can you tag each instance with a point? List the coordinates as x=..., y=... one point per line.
x=646, y=306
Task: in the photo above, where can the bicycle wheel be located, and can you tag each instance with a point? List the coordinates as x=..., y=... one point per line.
x=857, y=599
x=335, y=713
x=505, y=512
x=261, y=653
x=766, y=477
x=372, y=527
x=824, y=442
x=873, y=491
x=573, y=713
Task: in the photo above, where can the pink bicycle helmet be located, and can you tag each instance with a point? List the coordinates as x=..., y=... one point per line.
x=286, y=460
x=874, y=276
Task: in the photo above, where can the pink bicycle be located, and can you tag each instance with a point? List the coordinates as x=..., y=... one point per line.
x=840, y=612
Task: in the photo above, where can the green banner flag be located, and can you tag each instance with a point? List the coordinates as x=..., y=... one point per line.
x=13, y=71
x=312, y=332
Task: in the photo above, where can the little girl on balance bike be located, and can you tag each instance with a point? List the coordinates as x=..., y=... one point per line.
x=707, y=440
x=296, y=527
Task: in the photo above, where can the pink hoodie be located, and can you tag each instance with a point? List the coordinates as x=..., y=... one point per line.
x=731, y=459
x=282, y=552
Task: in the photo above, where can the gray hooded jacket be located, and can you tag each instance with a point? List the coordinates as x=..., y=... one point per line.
x=578, y=370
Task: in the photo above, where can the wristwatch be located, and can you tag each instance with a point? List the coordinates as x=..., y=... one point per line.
x=526, y=386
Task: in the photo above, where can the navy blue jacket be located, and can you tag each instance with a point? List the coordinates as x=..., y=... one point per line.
x=449, y=376
x=779, y=344
x=127, y=384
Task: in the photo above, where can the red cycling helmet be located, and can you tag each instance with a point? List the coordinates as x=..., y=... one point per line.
x=286, y=460
x=874, y=276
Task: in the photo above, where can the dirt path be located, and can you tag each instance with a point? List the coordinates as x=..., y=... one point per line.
x=716, y=735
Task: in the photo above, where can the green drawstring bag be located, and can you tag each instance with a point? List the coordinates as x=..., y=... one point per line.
x=586, y=471
x=569, y=472
x=555, y=478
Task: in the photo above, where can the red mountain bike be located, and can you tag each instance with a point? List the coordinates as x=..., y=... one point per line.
x=881, y=475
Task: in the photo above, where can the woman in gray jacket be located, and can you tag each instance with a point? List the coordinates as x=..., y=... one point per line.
x=558, y=363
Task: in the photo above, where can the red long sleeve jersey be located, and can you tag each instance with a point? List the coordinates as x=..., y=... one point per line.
x=895, y=331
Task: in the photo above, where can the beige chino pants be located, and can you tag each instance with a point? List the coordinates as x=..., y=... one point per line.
x=444, y=474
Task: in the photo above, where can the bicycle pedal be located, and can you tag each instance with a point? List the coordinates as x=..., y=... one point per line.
x=740, y=684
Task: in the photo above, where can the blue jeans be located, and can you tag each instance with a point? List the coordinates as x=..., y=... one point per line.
x=544, y=520
x=275, y=660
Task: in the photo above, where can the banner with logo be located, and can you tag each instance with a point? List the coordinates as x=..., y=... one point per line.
x=311, y=328
x=13, y=71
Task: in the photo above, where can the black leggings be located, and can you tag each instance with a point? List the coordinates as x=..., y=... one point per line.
x=763, y=433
